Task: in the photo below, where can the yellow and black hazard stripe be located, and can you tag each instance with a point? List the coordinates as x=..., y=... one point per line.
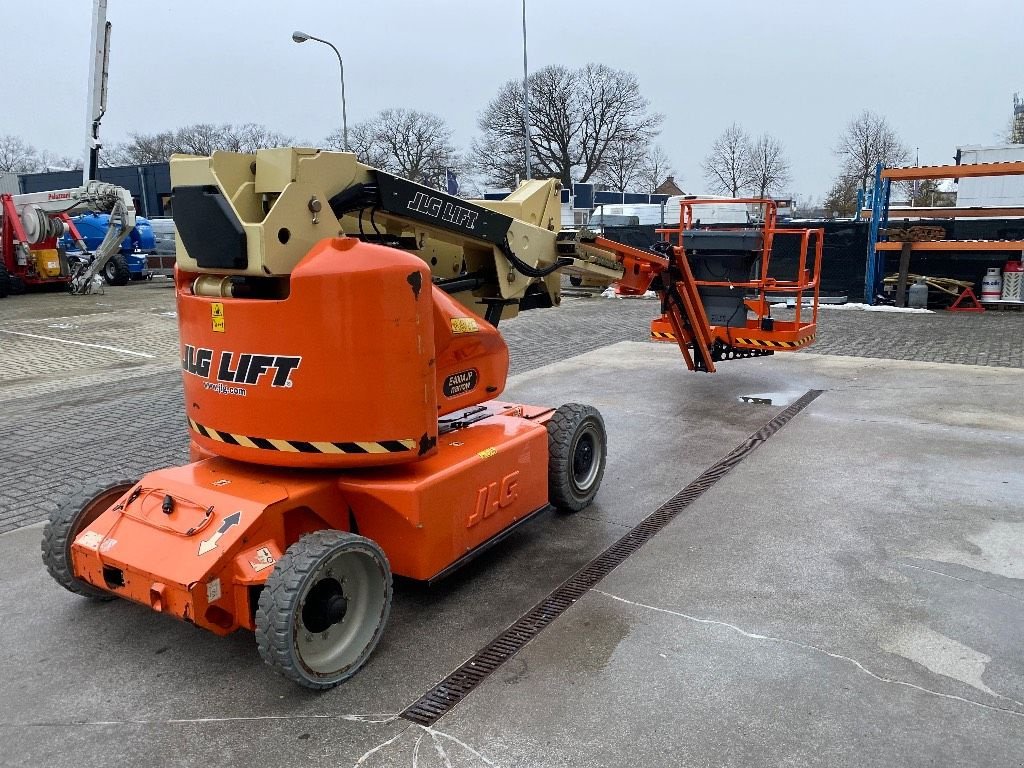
x=302, y=446
x=769, y=344
x=663, y=335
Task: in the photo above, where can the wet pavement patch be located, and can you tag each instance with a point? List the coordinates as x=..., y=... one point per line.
x=436, y=702
x=770, y=398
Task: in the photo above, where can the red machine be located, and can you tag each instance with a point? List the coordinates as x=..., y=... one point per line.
x=32, y=224
x=340, y=396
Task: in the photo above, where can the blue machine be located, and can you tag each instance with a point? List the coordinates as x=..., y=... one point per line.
x=93, y=228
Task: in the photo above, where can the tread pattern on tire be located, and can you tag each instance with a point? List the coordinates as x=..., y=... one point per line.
x=274, y=614
x=61, y=528
x=121, y=272
x=561, y=428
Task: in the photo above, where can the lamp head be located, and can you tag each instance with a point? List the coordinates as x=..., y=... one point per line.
x=300, y=37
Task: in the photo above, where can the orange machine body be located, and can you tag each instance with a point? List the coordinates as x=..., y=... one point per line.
x=205, y=559
x=363, y=368
x=350, y=369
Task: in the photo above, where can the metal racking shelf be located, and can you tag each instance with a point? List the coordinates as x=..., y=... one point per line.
x=884, y=177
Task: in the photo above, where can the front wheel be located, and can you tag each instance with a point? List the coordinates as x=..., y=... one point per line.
x=323, y=608
x=115, y=271
x=577, y=447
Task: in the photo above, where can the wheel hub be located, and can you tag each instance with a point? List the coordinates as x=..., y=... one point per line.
x=585, y=461
x=325, y=606
x=341, y=612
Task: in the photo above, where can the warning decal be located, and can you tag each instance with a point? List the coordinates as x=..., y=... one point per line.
x=464, y=325
x=217, y=312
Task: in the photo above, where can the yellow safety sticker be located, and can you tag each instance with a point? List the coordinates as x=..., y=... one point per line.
x=217, y=310
x=486, y=453
x=464, y=325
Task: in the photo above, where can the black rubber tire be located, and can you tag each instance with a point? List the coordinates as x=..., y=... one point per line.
x=115, y=271
x=280, y=615
x=5, y=280
x=66, y=522
x=577, y=450
x=575, y=280
x=15, y=285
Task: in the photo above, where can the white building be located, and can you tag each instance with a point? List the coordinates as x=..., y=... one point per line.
x=990, y=191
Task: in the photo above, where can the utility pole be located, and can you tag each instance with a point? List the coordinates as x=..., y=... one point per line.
x=526, y=103
x=99, y=65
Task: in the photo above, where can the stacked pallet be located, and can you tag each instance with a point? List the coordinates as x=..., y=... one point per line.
x=920, y=234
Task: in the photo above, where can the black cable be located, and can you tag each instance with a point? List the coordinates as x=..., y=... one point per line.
x=525, y=269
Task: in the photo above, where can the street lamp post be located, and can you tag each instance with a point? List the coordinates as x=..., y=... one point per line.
x=301, y=37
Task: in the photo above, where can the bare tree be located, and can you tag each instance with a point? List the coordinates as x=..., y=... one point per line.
x=623, y=166
x=805, y=206
x=655, y=169
x=51, y=161
x=841, y=199
x=406, y=142
x=17, y=156
x=727, y=167
x=196, y=139
x=579, y=119
x=767, y=165
x=141, y=148
x=869, y=140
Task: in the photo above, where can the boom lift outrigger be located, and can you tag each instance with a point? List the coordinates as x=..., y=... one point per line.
x=341, y=365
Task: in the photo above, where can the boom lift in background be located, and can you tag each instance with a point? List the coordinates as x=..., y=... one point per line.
x=341, y=366
x=31, y=226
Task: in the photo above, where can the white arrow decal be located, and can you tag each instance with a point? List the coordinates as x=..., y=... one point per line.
x=210, y=544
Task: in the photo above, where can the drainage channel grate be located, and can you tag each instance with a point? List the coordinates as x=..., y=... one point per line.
x=436, y=702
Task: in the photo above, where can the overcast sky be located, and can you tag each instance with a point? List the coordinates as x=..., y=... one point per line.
x=943, y=73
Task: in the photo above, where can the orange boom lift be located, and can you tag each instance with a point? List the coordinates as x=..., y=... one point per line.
x=341, y=367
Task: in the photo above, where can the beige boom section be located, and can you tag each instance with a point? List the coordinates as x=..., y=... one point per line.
x=287, y=199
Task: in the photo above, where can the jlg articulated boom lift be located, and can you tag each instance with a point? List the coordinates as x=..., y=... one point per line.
x=341, y=369
x=32, y=224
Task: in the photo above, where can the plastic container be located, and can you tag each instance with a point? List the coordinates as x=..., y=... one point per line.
x=992, y=285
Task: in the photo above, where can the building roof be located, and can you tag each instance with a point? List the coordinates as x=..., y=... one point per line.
x=669, y=187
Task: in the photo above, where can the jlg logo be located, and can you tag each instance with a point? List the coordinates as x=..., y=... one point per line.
x=493, y=497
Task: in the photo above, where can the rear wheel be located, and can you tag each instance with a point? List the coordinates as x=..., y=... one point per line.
x=66, y=522
x=5, y=280
x=323, y=608
x=577, y=447
x=115, y=271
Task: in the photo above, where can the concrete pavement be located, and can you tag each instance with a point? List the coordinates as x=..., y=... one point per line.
x=850, y=594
